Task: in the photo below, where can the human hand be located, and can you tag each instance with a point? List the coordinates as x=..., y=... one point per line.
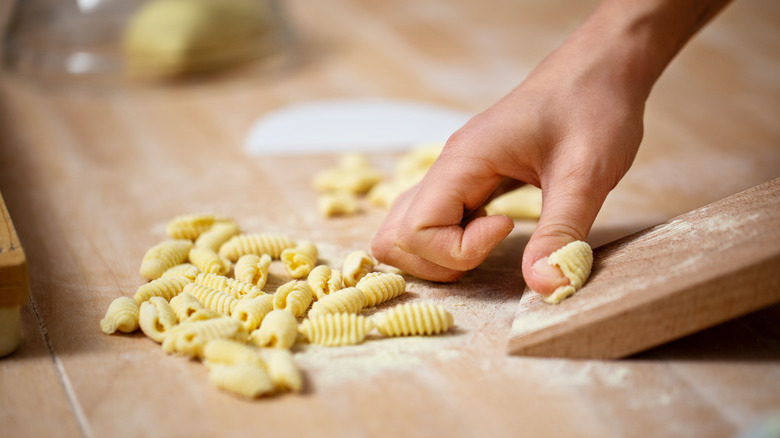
x=572, y=128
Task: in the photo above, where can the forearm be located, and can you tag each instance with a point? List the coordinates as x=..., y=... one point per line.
x=637, y=39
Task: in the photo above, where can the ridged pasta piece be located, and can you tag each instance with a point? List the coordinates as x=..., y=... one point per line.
x=155, y=318
x=350, y=179
x=190, y=226
x=218, y=234
x=414, y=319
x=185, y=305
x=163, y=256
x=256, y=243
x=190, y=338
x=356, y=265
x=279, y=329
x=379, y=287
x=575, y=261
x=212, y=298
x=208, y=261
x=522, y=203
x=165, y=287
x=282, y=369
x=229, y=352
x=246, y=380
x=337, y=204
x=252, y=311
x=348, y=300
x=301, y=259
x=337, y=329
x=230, y=286
x=253, y=269
x=122, y=315
x=182, y=270
x=295, y=296
x=324, y=281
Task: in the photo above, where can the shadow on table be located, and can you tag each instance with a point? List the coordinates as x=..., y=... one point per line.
x=752, y=337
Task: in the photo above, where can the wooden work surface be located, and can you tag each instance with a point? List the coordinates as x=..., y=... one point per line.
x=91, y=173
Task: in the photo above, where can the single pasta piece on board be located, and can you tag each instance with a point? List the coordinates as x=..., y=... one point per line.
x=251, y=311
x=414, y=319
x=279, y=329
x=336, y=329
x=230, y=352
x=348, y=300
x=300, y=260
x=122, y=315
x=257, y=243
x=218, y=234
x=189, y=226
x=208, y=261
x=324, y=280
x=295, y=296
x=253, y=269
x=212, y=298
x=356, y=265
x=165, y=287
x=379, y=287
x=163, y=256
x=155, y=318
x=249, y=381
x=190, y=338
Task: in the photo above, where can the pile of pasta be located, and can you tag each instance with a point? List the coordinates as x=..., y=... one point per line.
x=341, y=187
x=205, y=299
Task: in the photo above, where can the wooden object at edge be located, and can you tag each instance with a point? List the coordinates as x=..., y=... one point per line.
x=13, y=265
x=699, y=269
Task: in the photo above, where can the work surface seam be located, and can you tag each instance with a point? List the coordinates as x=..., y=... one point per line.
x=59, y=369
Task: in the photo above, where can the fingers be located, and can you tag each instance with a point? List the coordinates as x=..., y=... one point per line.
x=384, y=248
x=433, y=228
x=570, y=207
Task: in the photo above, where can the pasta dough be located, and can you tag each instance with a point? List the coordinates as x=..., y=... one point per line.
x=256, y=243
x=252, y=311
x=208, y=261
x=156, y=317
x=324, y=280
x=349, y=300
x=253, y=269
x=165, y=287
x=575, y=261
x=219, y=233
x=522, y=203
x=380, y=287
x=190, y=338
x=247, y=380
x=299, y=261
x=295, y=296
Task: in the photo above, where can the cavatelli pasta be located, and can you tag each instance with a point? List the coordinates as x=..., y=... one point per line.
x=295, y=296
x=279, y=329
x=348, y=300
x=256, y=243
x=190, y=338
x=163, y=256
x=300, y=260
x=237, y=289
x=246, y=380
x=189, y=226
x=336, y=329
x=218, y=234
x=324, y=280
x=165, y=287
x=414, y=319
x=122, y=315
x=252, y=311
x=338, y=204
x=282, y=369
x=212, y=298
x=356, y=265
x=379, y=287
x=185, y=305
x=182, y=270
x=229, y=352
x=575, y=261
x=208, y=261
x=156, y=317
x=253, y=269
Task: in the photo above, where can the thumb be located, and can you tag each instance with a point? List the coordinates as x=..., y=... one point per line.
x=569, y=208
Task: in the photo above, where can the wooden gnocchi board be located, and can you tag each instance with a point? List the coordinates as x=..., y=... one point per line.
x=704, y=267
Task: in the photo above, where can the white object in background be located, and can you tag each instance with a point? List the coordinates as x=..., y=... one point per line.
x=351, y=125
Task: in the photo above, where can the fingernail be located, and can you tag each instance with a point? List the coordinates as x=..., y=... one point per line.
x=545, y=272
